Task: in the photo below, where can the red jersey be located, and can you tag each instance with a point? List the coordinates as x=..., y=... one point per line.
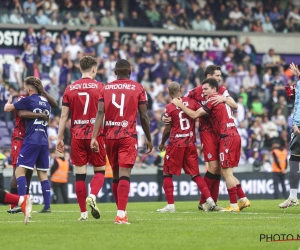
x=221, y=119
x=197, y=94
x=183, y=127
x=82, y=99
x=19, y=130
x=121, y=99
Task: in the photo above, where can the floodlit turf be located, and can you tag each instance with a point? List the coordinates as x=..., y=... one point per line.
x=188, y=228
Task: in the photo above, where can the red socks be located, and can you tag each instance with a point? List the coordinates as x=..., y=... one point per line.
x=239, y=191
x=80, y=189
x=123, y=192
x=208, y=178
x=97, y=182
x=8, y=198
x=214, y=191
x=169, y=189
x=232, y=195
x=115, y=184
x=202, y=187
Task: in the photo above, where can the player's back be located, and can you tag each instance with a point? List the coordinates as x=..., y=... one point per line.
x=183, y=127
x=36, y=129
x=221, y=118
x=82, y=99
x=121, y=100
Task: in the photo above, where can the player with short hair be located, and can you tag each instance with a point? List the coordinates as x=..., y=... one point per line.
x=119, y=101
x=18, y=137
x=181, y=153
x=25, y=202
x=81, y=99
x=212, y=176
x=35, y=147
x=228, y=140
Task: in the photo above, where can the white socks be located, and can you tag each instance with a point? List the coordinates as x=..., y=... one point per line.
x=84, y=214
x=209, y=200
x=171, y=205
x=293, y=193
x=121, y=213
x=233, y=205
x=93, y=196
x=243, y=199
x=20, y=200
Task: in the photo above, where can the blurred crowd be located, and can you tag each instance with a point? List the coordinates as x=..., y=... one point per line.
x=257, y=85
x=204, y=15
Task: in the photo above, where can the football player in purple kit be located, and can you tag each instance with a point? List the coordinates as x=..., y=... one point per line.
x=35, y=148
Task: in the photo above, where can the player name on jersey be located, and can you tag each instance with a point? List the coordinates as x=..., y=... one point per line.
x=121, y=86
x=84, y=86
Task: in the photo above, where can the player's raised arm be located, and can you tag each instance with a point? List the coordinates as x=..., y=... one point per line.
x=146, y=126
x=97, y=125
x=191, y=113
x=165, y=136
x=9, y=106
x=44, y=93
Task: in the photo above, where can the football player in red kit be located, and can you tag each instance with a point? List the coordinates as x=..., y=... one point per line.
x=229, y=140
x=120, y=101
x=81, y=99
x=181, y=153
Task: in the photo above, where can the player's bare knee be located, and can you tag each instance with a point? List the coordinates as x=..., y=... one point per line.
x=213, y=166
x=98, y=169
x=80, y=169
x=42, y=175
x=124, y=171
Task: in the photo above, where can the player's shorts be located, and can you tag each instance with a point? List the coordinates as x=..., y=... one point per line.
x=32, y=154
x=16, y=145
x=82, y=154
x=177, y=158
x=122, y=152
x=295, y=144
x=210, y=146
x=230, y=151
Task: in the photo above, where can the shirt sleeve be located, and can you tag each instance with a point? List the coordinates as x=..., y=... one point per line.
x=65, y=100
x=208, y=106
x=101, y=95
x=22, y=104
x=225, y=93
x=143, y=99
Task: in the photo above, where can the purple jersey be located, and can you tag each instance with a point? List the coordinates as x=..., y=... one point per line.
x=28, y=58
x=36, y=129
x=31, y=39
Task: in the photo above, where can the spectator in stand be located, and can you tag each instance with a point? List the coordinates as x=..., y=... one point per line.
x=153, y=15
x=198, y=23
x=16, y=18
x=233, y=83
x=249, y=49
x=50, y=7
x=251, y=83
x=268, y=26
x=73, y=49
x=135, y=21
x=236, y=13
x=28, y=58
x=65, y=37
x=54, y=91
x=281, y=104
x=259, y=15
x=46, y=55
x=76, y=73
x=30, y=38
x=52, y=133
x=241, y=110
x=279, y=120
x=257, y=108
x=122, y=22
x=28, y=16
x=267, y=59
x=257, y=27
x=31, y=5
x=276, y=18
x=41, y=18
x=182, y=67
x=89, y=50
x=79, y=40
x=109, y=20
x=92, y=36
x=58, y=49
x=15, y=74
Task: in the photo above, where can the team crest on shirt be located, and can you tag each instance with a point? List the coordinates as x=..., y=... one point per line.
x=135, y=146
x=226, y=151
x=209, y=156
x=15, y=147
x=167, y=157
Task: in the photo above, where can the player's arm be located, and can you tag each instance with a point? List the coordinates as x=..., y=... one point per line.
x=191, y=113
x=25, y=114
x=97, y=125
x=43, y=92
x=165, y=136
x=60, y=147
x=225, y=99
x=9, y=106
x=145, y=125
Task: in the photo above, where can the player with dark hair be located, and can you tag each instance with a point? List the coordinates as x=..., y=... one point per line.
x=227, y=138
x=18, y=137
x=24, y=202
x=119, y=101
x=81, y=99
x=181, y=153
x=207, y=136
x=35, y=148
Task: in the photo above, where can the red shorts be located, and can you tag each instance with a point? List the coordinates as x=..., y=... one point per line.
x=122, y=152
x=210, y=145
x=230, y=151
x=16, y=144
x=178, y=158
x=82, y=154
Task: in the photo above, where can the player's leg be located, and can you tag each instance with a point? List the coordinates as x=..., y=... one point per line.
x=98, y=160
x=42, y=166
x=127, y=153
x=79, y=157
x=13, y=190
x=24, y=202
x=227, y=173
x=28, y=176
x=294, y=181
x=243, y=201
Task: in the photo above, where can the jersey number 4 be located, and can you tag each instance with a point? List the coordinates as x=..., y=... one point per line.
x=117, y=105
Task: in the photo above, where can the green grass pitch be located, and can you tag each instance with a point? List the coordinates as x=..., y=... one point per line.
x=188, y=228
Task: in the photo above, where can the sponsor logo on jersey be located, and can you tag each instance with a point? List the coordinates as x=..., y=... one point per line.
x=42, y=103
x=231, y=124
x=120, y=86
x=209, y=156
x=183, y=135
x=124, y=123
x=81, y=122
x=92, y=121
